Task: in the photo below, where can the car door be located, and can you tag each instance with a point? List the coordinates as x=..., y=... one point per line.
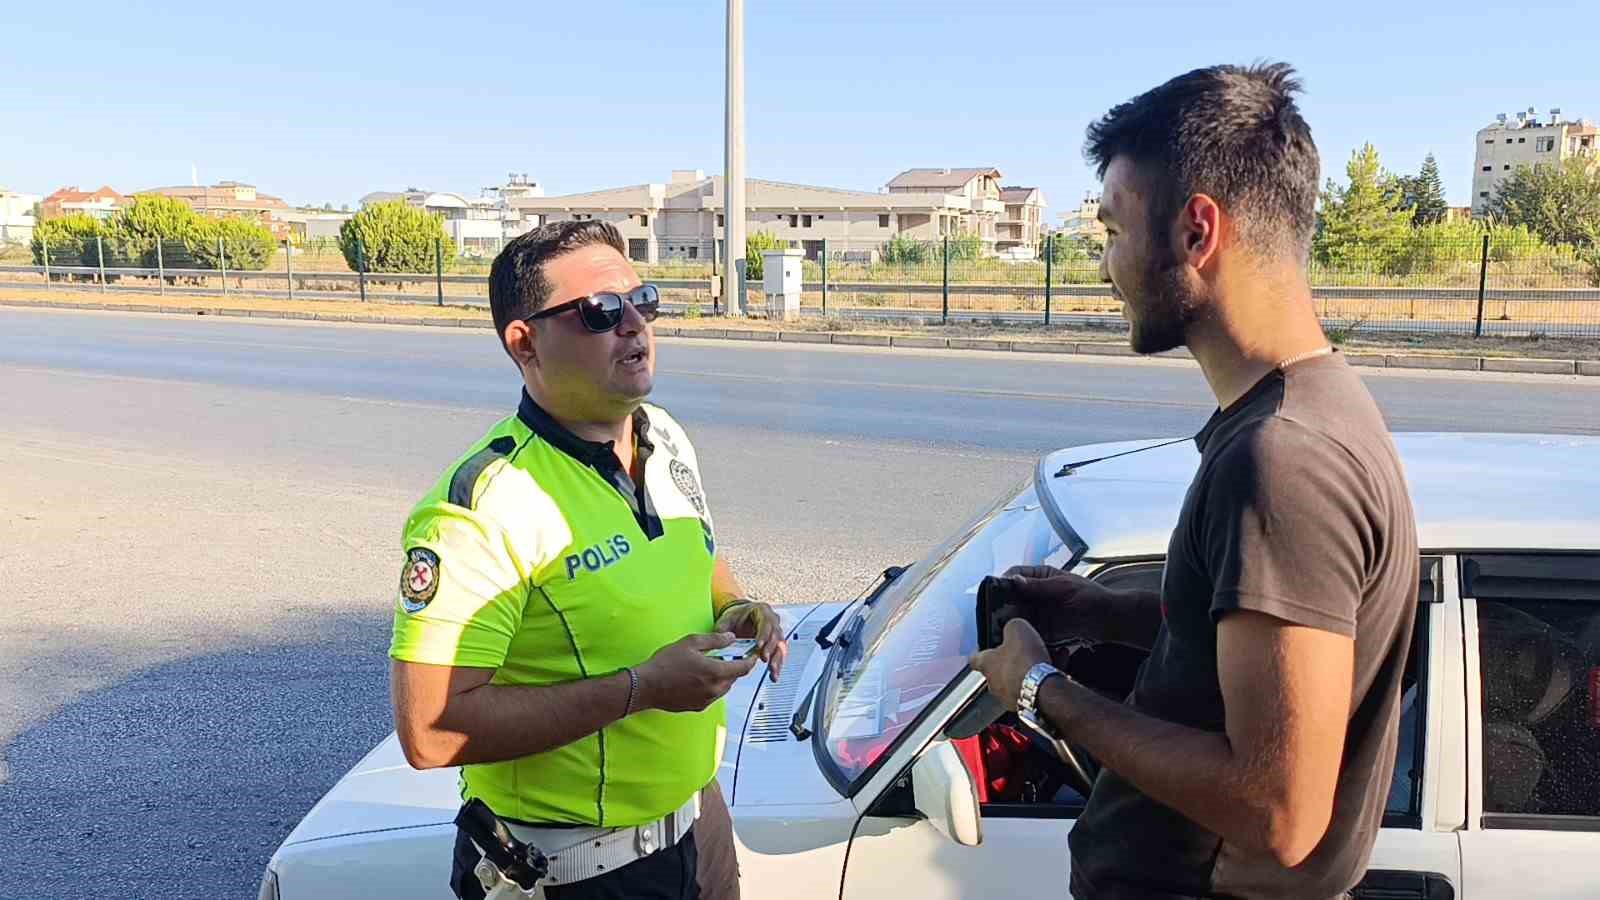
x=1417, y=855
x=1533, y=688
x=898, y=851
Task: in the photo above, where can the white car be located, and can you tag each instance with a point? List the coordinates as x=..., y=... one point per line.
x=843, y=782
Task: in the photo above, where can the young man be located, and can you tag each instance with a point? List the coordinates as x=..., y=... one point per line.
x=560, y=590
x=1253, y=758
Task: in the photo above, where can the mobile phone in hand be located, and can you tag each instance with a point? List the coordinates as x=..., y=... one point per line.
x=744, y=648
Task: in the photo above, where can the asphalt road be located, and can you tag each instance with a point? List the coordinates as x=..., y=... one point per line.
x=201, y=522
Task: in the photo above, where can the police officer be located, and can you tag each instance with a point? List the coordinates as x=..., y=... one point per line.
x=560, y=591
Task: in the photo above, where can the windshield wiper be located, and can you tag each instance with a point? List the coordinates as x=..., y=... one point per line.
x=826, y=640
x=825, y=637
x=847, y=644
x=797, y=725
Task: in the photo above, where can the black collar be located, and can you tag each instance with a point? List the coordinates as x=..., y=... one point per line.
x=595, y=453
x=602, y=457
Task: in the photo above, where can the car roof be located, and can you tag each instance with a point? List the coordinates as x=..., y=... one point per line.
x=1471, y=491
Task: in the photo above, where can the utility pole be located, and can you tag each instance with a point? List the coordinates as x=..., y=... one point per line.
x=733, y=285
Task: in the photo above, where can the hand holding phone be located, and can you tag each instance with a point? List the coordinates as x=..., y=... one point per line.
x=741, y=649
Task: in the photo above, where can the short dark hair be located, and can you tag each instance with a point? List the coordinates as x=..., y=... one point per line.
x=518, y=287
x=1233, y=133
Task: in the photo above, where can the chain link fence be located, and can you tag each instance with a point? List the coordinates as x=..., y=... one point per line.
x=1480, y=286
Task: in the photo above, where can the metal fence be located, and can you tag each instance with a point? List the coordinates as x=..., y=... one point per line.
x=1473, y=286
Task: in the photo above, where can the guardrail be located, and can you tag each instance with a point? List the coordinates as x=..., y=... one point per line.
x=1422, y=310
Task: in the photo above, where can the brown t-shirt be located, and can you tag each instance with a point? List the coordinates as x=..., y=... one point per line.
x=1299, y=509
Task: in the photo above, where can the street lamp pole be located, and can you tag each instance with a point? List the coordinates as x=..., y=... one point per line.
x=733, y=270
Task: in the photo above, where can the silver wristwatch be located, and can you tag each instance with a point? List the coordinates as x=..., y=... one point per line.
x=1027, y=705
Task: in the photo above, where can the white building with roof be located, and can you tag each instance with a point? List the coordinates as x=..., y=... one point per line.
x=479, y=226
x=1527, y=140
x=16, y=216
x=682, y=218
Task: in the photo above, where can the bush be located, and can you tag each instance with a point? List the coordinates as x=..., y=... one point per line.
x=146, y=221
x=1441, y=247
x=964, y=245
x=396, y=237
x=1519, y=242
x=246, y=243
x=755, y=244
x=1076, y=249
x=903, y=251
x=70, y=240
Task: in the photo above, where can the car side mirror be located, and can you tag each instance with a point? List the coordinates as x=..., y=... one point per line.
x=944, y=792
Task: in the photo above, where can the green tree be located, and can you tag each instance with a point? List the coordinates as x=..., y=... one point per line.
x=1589, y=254
x=1423, y=193
x=246, y=243
x=396, y=237
x=1560, y=203
x=148, y=219
x=755, y=244
x=1363, y=223
x=69, y=239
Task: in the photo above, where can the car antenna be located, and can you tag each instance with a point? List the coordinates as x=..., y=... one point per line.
x=1072, y=467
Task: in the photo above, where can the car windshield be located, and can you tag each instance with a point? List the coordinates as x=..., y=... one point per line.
x=917, y=637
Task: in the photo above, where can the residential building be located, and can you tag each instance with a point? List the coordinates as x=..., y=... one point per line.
x=230, y=198
x=1021, y=226
x=517, y=186
x=1527, y=140
x=682, y=218
x=479, y=226
x=1085, y=220
x=100, y=204
x=16, y=216
x=979, y=189
x=311, y=225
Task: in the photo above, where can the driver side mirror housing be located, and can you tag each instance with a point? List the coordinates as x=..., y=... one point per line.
x=946, y=795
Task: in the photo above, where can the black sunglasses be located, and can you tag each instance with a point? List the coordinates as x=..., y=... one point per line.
x=602, y=312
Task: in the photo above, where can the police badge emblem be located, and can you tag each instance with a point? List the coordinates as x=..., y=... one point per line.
x=419, y=580
x=688, y=485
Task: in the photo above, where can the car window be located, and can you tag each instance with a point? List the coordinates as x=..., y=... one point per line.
x=1404, y=806
x=917, y=638
x=1539, y=663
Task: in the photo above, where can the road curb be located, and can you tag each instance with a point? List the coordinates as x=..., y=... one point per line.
x=1531, y=366
x=1525, y=365
x=920, y=343
x=1448, y=363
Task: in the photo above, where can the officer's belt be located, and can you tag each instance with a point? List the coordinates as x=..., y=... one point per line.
x=576, y=854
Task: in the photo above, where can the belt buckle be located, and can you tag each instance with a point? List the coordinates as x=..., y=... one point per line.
x=646, y=838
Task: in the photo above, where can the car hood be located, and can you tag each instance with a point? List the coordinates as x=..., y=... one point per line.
x=773, y=768
x=383, y=792
x=380, y=793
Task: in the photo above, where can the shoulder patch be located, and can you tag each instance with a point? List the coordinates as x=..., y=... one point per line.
x=465, y=481
x=419, y=580
x=688, y=485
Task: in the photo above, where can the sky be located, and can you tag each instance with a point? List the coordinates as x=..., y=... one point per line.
x=325, y=102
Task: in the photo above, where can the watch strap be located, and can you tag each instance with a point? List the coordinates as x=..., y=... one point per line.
x=1028, y=697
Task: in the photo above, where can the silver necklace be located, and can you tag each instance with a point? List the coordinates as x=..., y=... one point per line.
x=1322, y=351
